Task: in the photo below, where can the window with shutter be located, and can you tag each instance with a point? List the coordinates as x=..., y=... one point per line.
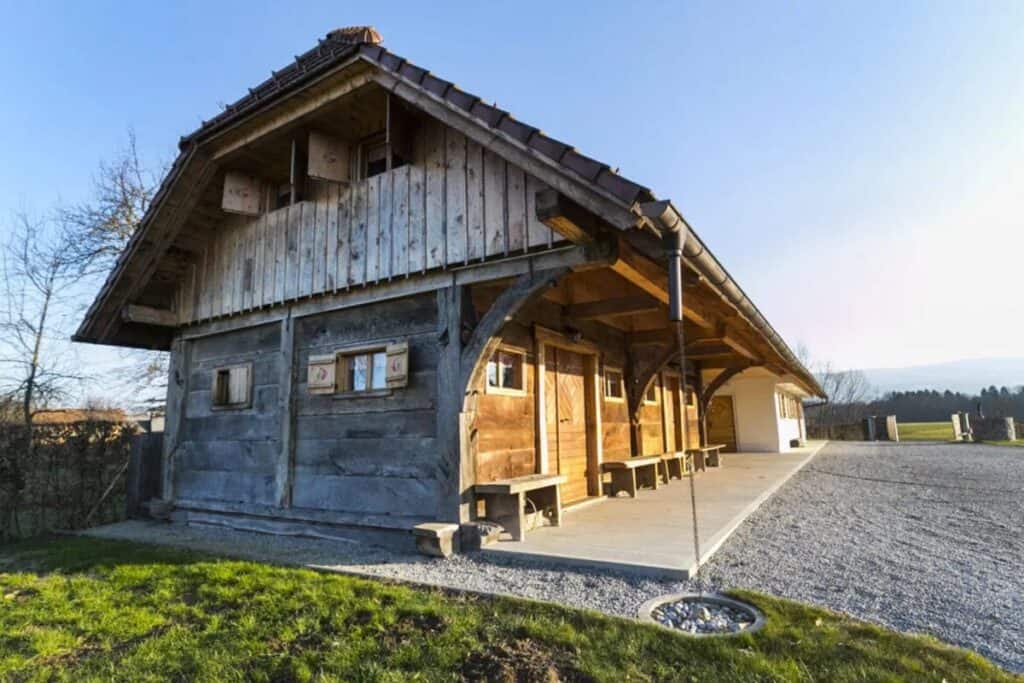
x=232, y=387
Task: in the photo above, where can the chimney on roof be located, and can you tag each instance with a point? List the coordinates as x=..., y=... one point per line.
x=356, y=35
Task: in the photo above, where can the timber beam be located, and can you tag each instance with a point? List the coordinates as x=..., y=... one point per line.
x=566, y=217
x=147, y=315
x=652, y=278
x=609, y=308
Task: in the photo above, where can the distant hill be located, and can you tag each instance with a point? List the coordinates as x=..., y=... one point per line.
x=967, y=376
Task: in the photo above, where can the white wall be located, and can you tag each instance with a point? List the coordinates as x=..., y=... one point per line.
x=753, y=401
x=756, y=412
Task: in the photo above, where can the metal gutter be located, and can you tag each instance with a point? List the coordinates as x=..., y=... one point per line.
x=664, y=218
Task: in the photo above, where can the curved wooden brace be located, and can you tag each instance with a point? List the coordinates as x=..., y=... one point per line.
x=485, y=338
x=459, y=368
x=643, y=376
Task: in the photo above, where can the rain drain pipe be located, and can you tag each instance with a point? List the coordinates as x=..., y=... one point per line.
x=673, y=234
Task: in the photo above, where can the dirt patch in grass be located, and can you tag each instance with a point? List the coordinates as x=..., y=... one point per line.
x=520, y=661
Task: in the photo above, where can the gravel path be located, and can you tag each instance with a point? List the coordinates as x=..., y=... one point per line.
x=918, y=537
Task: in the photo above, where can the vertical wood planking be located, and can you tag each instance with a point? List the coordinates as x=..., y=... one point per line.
x=269, y=257
x=319, y=245
x=223, y=280
x=202, y=307
x=516, y=209
x=386, y=209
x=475, y=240
x=357, y=263
x=330, y=202
x=309, y=247
x=400, y=222
x=280, y=252
x=249, y=266
x=373, y=228
x=435, y=195
x=259, y=237
x=237, y=257
x=344, y=211
x=455, y=198
x=417, y=219
x=494, y=205
x=291, y=265
x=538, y=234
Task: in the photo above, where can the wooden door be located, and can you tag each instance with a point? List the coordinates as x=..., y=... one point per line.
x=722, y=423
x=565, y=404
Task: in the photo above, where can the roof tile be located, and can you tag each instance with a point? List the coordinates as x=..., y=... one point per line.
x=411, y=72
x=434, y=85
x=516, y=129
x=487, y=113
x=461, y=98
x=583, y=165
x=549, y=147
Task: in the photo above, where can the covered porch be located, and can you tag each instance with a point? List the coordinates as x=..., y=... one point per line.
x=652, y=534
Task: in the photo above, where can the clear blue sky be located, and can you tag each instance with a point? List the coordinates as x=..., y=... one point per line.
x=858, y=167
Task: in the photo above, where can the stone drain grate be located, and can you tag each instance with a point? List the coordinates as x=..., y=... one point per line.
x=702, y=615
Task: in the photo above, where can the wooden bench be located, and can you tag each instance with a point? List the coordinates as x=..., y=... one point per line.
x=628, y=474
x=707, y=456
x=676, y=465
x=506, y=500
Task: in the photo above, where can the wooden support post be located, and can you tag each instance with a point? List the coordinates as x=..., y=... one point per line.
x=177, y=399
x=286, y=401
x=450, y=399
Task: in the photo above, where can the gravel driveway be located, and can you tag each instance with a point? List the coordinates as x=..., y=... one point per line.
x=918, y=537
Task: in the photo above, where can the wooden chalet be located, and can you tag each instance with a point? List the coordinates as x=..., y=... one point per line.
x=388, y=302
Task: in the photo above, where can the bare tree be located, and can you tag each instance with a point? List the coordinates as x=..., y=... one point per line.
x=37, y=270
x=100, y=229
x=36, y=276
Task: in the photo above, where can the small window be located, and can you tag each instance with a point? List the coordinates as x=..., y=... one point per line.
x=505, y=372
x=652, y=393
x=613, y=385
x=691, y=398
x=362, y=371
x=232, y=387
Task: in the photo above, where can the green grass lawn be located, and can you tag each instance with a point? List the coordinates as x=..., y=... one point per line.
x=926, y=431
x=82, y=609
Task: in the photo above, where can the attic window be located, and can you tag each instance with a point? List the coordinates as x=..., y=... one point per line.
x=375, y=156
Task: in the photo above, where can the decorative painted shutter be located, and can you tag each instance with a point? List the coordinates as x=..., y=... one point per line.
x=320, y=374
x=397, y=365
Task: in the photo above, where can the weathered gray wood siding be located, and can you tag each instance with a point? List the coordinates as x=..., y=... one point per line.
x=376, y=455
x=455, y=204
x=231, y=455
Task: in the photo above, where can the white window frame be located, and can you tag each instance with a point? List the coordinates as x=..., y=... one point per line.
x=502, y=390
x=654, y=386
x=621, y=398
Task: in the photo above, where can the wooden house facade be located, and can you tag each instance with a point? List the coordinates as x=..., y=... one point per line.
x=380, y=292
